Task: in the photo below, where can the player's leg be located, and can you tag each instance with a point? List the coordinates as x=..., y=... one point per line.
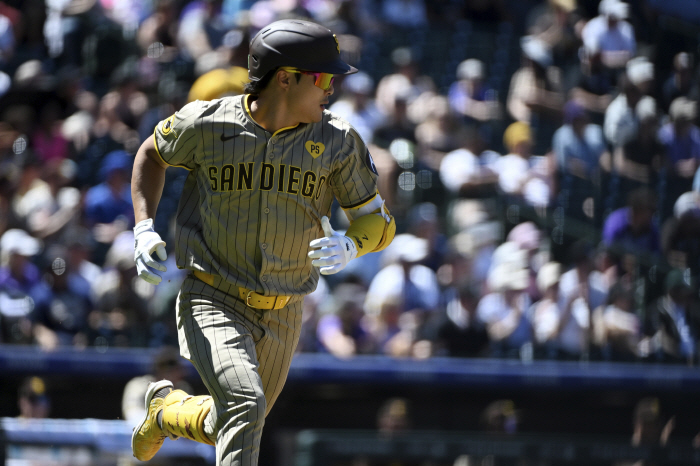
x=217, y=334
x=276, y=349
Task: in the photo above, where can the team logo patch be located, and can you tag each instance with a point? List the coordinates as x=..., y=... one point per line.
x=370, y=163
x=314, y=148
x=167, y=126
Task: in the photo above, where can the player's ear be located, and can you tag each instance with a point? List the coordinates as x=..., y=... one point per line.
x=283, y=78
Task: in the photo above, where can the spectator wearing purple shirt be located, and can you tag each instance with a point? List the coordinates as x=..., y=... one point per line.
x=632, y=228
x=682, y=138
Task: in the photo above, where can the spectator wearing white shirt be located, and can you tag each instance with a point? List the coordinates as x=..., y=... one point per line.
x=505, y=310
x=609, y=34
x=621, y=118
x=520, y=174
x=579, y=294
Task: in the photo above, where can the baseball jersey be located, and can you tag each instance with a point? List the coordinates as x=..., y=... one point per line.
x=253, y=200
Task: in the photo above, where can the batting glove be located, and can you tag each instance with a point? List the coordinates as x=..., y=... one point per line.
x=146, y=240
x=335, y=250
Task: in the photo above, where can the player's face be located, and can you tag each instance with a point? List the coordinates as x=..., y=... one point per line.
x=308, y=99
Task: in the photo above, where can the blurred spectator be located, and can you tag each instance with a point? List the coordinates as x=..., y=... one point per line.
x=680, y=83
x=639, y=160
x=439, y=132
x=546, y=313
x=650, y=428
x=423, y=222
x=632, y=229
x=219, y=83
x=609, y=34
x=528, y=237
x=108, y=206
x=593, y=88
x=621, y=119
x=463, y=171
x=673, y=321
x=500, y=417
x=536, y=93
x=33, y=400
x=397, y=124
x=459, y=332
x=17, y=272
x=402, y=295
x=520, y=174
x=356, y=104
x=579, y=144
x=80, y=244
x=342, y=330
x=471, y=96
x=556, y=24
x=167, y=364
x=404, y=13
x=157, y=34
x=202, y=28
x=580, y=292
x=31, y=193
x=62, y=303
x=681, y=138
x=680, y=233
x=617, y=331
x=47, y=140
x=59, y=210
x=406, y=82
x=308, y=337
x=121, y=314
x=18, y=275
x=394, y=417
x=505, y=308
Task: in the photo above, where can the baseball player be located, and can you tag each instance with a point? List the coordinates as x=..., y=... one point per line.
x=253, y=230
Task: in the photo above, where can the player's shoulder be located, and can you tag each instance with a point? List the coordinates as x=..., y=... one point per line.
x=338, y=124
x=198, y=108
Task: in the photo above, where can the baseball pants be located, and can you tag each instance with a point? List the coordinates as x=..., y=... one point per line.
x=242, y=355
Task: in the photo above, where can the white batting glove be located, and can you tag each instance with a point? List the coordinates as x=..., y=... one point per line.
x=335, y=250
x=146, y=240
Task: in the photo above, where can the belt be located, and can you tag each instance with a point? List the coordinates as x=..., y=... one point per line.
x=249, y=297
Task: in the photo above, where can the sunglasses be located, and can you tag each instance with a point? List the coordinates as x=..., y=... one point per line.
x=322, y=80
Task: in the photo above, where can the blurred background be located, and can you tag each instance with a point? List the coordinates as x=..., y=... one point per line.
x=540, y=303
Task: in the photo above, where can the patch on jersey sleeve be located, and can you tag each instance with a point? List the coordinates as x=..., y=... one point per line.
x=314, y=148
x=167, y=126
x=370, y=163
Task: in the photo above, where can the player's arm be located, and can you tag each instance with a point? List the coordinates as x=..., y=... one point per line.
x=372, y=228
x=147, y=181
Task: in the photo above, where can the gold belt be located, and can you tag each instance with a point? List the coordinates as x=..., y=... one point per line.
x=250, y=297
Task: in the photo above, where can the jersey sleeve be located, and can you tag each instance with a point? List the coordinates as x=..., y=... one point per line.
x=176, y=137
x=354, y=177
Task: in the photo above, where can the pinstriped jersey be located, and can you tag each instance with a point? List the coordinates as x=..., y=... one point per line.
x=253, y=200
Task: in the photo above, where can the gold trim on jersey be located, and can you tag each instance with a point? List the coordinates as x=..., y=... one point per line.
x=155, y=143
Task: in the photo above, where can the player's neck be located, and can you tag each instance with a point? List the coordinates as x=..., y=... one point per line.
x=271, y=113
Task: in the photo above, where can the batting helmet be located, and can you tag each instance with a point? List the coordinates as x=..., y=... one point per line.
x=300, y=44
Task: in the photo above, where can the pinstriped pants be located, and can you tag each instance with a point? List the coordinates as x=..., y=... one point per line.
x=243, y=357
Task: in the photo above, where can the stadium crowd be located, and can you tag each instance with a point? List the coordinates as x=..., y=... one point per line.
x=541, y=158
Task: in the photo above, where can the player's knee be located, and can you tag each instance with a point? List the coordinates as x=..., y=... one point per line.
x=251, y=410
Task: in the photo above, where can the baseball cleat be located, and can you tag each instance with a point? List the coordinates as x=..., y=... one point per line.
x=148, y=437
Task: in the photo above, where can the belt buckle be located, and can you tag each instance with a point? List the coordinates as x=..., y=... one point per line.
x=247, y=299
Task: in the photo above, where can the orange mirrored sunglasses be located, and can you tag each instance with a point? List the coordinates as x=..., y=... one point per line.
x=322, y=80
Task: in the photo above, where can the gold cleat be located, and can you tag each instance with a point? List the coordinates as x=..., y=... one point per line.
x=148, y=437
